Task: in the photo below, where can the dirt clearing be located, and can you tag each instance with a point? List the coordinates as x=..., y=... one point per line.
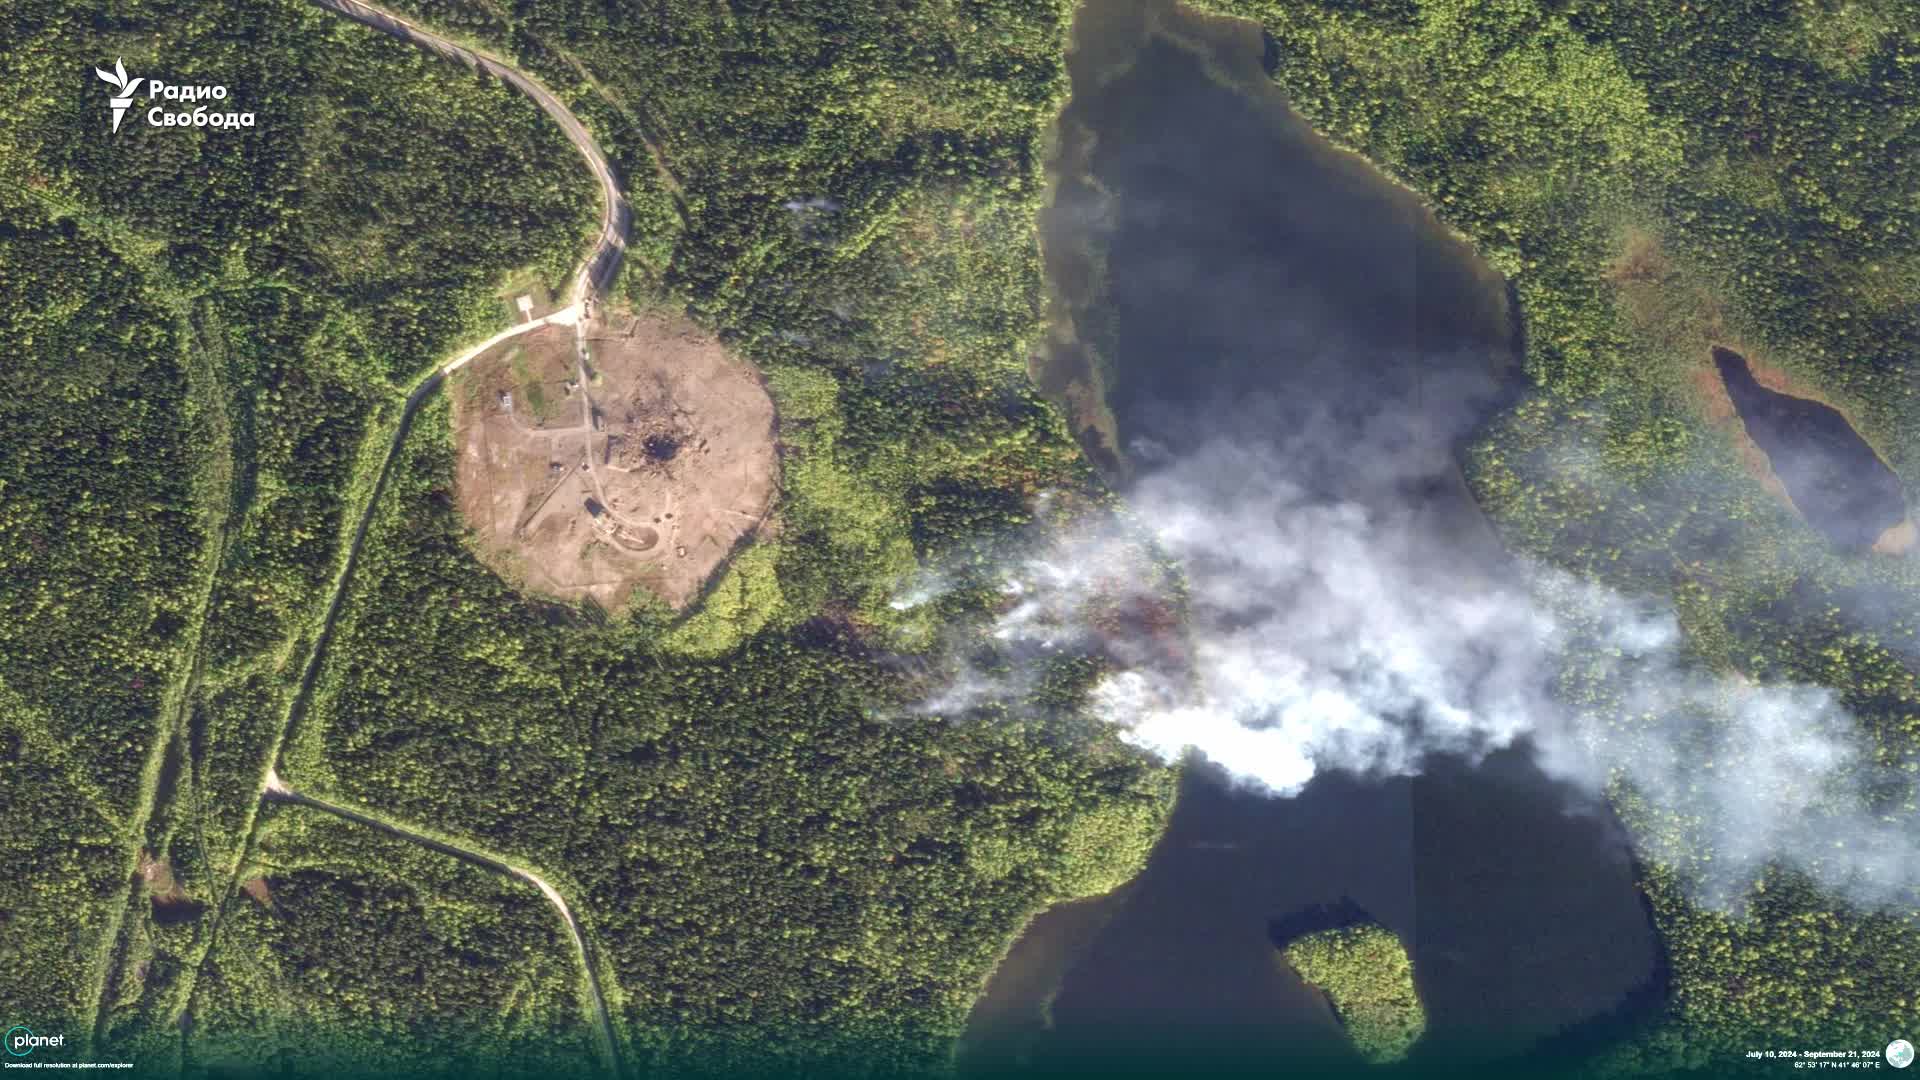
x=646, y=462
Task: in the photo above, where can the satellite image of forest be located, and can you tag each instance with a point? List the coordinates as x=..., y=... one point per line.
x=959, y=538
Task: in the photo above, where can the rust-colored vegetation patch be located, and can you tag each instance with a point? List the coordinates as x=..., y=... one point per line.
x=645, y=463
x=1066, y=372
x=1898, y=540
x=1778, y=380
x=1658, y=298
x=256, y=887
x=1718, y=407
x=1710, y=390
x=1640, y=262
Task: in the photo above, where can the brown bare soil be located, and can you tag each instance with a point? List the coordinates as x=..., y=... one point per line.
x=157, y=874
x=1898, y=540
x=171, y=904
x=645, y=465
x=256, y=887
x=1640, y=260
x=1720, y=412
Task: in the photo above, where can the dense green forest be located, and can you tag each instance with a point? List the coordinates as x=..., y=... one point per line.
x=781, y=857
x=1367, y=976
x=1653, y=179
x=101, y=546
x=356, y=953
x=203, y=328
x=774, y=852
x=776, y=860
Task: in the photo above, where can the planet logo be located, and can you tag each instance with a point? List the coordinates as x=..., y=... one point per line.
x=21, y=1041
x=1899, y=1053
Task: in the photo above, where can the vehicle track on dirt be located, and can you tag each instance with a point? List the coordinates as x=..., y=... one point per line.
x=597, y=272
x=277, y=790
x=616, y=216
x=215, y=505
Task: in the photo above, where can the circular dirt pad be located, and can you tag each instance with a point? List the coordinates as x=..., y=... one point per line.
x=644, y=462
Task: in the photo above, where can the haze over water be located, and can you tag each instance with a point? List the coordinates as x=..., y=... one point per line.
x=1283, y=335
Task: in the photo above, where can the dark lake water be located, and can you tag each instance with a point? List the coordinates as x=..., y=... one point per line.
x=1221, y=271
x=1834, y=478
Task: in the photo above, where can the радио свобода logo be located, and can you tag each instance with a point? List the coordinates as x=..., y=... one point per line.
x=21, y=1041
x=200, y=116
x=124, y=89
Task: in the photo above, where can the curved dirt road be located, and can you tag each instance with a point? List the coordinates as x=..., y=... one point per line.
x=616, y=217
x=279, y=791
x=596, y=273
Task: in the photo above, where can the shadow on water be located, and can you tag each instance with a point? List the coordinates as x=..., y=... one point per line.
x=1836, y=481
x=1221, y=272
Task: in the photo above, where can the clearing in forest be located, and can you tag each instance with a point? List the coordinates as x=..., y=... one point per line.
x=643, y=459
x=1803, y=448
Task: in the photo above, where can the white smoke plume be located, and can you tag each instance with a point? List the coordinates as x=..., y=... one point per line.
x=1328, y=634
